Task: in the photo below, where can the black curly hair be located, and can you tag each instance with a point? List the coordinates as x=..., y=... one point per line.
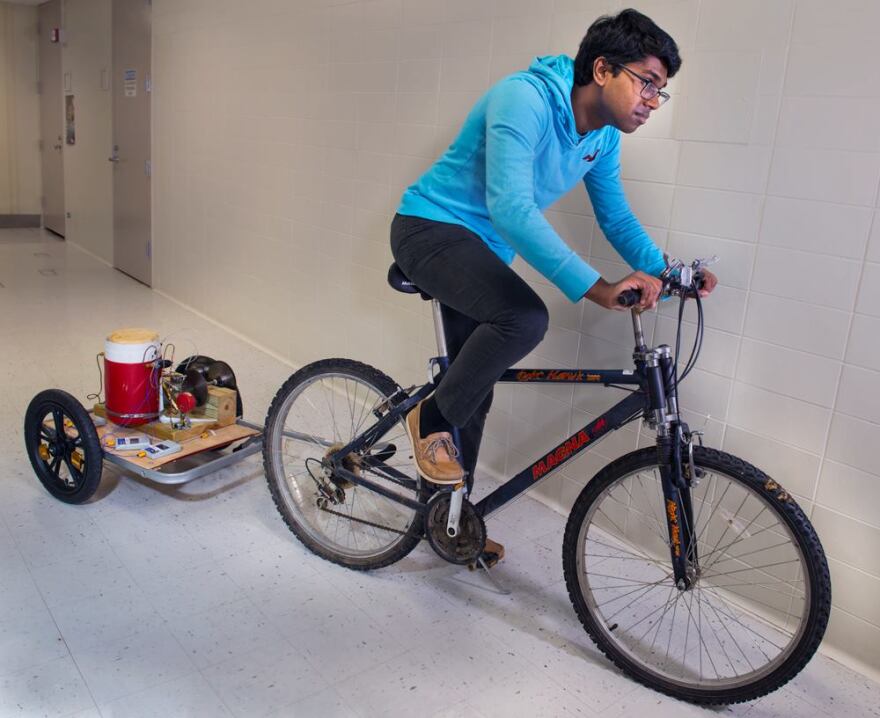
x=625, y=37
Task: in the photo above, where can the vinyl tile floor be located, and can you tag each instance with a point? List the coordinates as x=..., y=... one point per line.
x=197, y=600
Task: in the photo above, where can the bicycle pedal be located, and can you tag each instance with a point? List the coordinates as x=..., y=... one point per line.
x=493, y=552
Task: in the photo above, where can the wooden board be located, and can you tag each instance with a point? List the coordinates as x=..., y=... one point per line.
x=217, y=438
x=160, y=430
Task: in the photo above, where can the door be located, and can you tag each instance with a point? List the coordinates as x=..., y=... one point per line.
x=51, y=116
x=132, y=251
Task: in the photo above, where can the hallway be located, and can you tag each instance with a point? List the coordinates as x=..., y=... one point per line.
x=197, y=601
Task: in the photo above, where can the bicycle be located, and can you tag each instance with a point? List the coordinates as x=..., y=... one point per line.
x=692, y=570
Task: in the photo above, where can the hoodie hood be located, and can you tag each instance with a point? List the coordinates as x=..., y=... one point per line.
x=555, y=73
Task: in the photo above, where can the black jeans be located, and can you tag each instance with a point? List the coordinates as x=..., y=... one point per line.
x=492, y=317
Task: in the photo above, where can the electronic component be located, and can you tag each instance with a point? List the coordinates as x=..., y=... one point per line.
x=163, y=448
x=130, y=443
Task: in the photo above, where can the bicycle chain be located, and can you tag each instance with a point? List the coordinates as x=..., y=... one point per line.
x=362, y=521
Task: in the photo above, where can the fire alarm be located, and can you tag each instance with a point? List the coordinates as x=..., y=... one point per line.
x=56, y=34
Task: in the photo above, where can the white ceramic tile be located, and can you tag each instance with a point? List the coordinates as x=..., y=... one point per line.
x=732, y=215
x=419, y=12
x=849, y=491
x=420, y=43
x=648, y=159
x=187, y=591
x=780, y=272
x=855, y=591
x=806, y=74
x=190, y=695
x=464, y=75
x=804, y=120
x=788, y=420
x=28, y=637
x=264, y=680
x=869, y=292
x=828, y=175
x=104, y=617
x=471, y=38
x=524, y=35
x=718, y=102
x=749, y=25
x=218, y=634
x=418, y=76
x=850, y=23
x=650, y=201
x=119, y=667
x=874, y=242
x=469, y=11
x=852, y=442
x=51, y=689
x=796, y=374
x=517, y=695
x=723, y=166
x=327, y=704
x=797, y=325
x=836, y=229
x=863, y=348
x=846, y=539
x=858, y=391
x=18, y=584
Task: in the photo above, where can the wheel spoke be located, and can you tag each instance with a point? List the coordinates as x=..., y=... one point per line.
x=733, y=622
x=330, y=407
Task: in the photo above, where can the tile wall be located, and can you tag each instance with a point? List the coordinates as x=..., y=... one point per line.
x=284, y=134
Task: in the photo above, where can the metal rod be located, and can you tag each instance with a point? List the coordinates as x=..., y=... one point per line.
x=637, y=329
x=439, y=330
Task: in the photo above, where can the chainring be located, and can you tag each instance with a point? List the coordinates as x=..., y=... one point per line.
x=468, y=545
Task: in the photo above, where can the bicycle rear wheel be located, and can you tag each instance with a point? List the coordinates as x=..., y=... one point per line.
x=761, y=593
x=318, y=410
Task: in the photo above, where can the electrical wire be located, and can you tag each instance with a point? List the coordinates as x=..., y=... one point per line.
x=97, y=397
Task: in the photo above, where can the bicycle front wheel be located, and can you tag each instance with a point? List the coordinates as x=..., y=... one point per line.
x=760, y=596
x=317, y=411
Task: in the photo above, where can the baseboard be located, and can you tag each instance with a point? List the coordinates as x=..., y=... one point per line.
x=19, y=221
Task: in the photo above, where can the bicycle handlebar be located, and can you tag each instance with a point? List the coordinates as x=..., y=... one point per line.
x=672, y=286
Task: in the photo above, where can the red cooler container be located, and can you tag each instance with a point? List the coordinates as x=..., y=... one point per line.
x=131, y=376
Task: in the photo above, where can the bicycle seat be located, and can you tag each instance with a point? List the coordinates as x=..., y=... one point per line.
x=397, y=279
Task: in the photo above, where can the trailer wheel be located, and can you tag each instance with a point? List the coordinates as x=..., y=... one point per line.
x=63, y=446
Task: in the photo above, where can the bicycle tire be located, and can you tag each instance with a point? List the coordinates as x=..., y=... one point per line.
x=620, y=645
x=68, y=464
x=303, y=520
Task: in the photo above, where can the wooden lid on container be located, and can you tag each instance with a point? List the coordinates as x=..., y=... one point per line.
x=133, y=335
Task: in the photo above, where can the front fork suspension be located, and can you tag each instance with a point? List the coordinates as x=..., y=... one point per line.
x=678, y=509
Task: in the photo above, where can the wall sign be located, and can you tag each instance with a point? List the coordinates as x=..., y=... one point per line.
x=130, y=83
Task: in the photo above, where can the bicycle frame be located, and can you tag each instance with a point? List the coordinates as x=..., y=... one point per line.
x=654, y=397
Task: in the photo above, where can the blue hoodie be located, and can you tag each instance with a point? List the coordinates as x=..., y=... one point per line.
x=517, y=153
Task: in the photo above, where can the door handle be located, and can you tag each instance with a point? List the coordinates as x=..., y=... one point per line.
x=57, y=147
x=113, y=159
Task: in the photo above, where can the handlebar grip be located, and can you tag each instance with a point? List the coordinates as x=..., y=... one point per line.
x=629, y=297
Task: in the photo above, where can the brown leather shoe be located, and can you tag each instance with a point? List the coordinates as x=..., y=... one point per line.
x=435, y=455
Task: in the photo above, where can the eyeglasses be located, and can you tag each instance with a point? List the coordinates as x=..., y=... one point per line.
x=649, y=89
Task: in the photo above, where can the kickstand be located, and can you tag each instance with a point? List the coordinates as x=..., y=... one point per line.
x=499, y=587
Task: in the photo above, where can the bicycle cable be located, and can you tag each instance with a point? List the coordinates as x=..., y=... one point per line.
x=697, y=346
